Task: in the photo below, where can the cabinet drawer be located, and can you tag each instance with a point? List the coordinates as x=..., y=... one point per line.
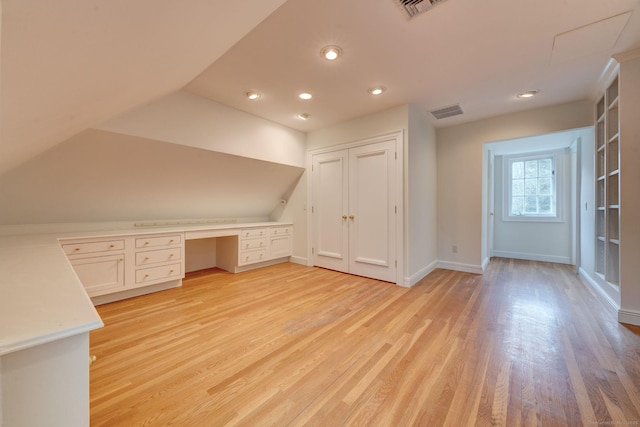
x=252, y=256
x=280, y=231
x=249, y=244
x=91, y=247
x=280, y=246
x=254, y=232
x=163, y=272
x=149, y=242
x=160, y=255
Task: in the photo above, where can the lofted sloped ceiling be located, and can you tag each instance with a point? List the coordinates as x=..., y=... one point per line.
x=478, y=54
x=67, y=65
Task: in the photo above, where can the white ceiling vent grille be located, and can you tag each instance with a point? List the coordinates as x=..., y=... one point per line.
x=445, y=112
x=415, y=7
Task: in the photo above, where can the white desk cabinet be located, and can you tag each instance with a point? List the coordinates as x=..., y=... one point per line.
x=99, y=264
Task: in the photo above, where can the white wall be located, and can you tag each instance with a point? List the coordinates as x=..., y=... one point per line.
x=420, y=195
x=187, y=119
x=460, y=215
x=538, y=241
x=104, y=176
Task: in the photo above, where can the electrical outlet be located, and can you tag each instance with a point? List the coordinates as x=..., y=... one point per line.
x=454, y=249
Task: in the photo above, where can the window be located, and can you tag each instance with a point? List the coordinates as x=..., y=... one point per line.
x=532, y=182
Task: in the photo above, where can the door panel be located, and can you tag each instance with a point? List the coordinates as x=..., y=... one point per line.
x=330, y=181
x=372, y=217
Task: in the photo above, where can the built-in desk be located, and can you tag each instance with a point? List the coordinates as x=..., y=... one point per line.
x=46, y=313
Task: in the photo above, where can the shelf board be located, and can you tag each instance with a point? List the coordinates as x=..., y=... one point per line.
x=601, y=208
x=601, y=147
x=614, y=137
x=601, y=238
x=614, y=241
x=614, y=172
x=614, y=206
x=600, y=119
x=614, y=103
x=600, y=178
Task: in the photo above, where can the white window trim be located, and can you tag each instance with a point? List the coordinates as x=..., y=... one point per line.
x=558, y=161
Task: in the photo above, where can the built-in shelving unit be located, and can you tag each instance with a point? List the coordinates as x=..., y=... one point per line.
x=607, y=139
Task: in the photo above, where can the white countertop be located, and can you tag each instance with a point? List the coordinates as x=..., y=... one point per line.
x=41, y=298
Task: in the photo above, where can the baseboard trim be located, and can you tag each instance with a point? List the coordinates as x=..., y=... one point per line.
x=419, y=275
x=136, y=292
x=458, y=266
x=533, y=257
x=485, y=264
x=299, y=260
x=599, y=291
x=628, y=316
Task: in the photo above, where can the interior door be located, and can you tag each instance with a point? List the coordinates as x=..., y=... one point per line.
x=330, y=210
x=372, y=211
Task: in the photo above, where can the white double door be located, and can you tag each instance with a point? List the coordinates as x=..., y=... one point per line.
x=354, y=210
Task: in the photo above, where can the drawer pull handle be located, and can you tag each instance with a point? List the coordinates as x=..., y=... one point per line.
x=170, y=255
x=146, y=243
x=112, y=246
x=146, y=258
x=170, y=271
x=246, y=246
x=246, y=258
x=76, y=249
x=120, y=260
x=171, y=241
x=146, y=275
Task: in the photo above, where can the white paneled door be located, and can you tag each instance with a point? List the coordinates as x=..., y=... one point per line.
x=354, y=210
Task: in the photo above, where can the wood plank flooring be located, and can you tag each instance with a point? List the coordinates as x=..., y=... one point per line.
x=526, y=344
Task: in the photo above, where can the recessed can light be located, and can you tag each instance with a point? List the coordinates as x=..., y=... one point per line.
x=252, y=95
x=528, y=94
x=378, y=90
x=331, y=53
x=305, y=95
x=303, y=116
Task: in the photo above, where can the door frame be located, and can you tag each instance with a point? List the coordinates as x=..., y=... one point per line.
x=398, y=138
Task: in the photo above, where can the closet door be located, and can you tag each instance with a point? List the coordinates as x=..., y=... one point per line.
x=330, y=210
x=372, y=211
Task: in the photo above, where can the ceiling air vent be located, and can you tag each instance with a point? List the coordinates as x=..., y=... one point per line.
x=415, y=7
x=445, y=112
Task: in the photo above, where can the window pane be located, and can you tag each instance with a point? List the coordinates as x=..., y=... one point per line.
x=531, y=169
x=530, y=187
x=545, y=167
x=544, y=186
x=517, y=205
x=544, y=204
x=530, y=205
x=517, y=187
x=517, y=170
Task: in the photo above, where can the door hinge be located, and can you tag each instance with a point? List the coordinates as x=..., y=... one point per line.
x=396, y=153
x=396, y=208
x=396, y=263
x=313, y=251
x=311, y=168
x=312, y=209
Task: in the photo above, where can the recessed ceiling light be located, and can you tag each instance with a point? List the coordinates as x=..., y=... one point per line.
x=252, y=95
x=377, y=90
x=528, y=94
x=305, y=95
x=331, y=53
x=303, y=116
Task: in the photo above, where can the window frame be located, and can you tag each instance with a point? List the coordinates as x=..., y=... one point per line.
x=557, y=157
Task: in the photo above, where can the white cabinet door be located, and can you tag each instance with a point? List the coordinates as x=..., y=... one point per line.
x=372, y=204
x=330, y=210
x=354, y=210
x=101, y=274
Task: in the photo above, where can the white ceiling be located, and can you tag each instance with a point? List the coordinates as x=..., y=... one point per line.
x=479, y=54
x=71, y=64
x=67, y=65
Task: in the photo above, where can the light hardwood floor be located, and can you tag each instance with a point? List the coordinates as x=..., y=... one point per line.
x=525, y=344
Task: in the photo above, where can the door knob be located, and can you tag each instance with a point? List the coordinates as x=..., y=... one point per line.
x=344, y=217
x=352, y=217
